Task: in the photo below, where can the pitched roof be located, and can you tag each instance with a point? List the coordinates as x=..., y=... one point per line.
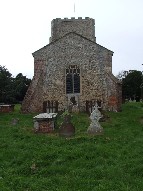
x=53, y=42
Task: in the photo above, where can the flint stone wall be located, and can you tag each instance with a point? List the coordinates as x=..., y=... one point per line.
x=96, y=78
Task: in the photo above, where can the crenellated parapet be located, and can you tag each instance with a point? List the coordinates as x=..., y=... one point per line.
x=82, y=26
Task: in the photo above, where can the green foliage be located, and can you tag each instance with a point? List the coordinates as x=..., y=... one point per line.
x=12, y=90
x=6, y=90
x=21, y=84
x=131, y=85
x=47, y=162
x=66, y=112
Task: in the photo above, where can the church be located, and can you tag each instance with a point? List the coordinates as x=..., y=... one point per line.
x=72, y=70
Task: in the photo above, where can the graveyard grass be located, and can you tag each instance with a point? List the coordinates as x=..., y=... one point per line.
x=41, y=162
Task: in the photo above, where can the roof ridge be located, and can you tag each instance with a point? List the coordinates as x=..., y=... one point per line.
x=67, y=35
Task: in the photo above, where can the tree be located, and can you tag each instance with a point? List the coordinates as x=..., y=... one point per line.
x=6, y=84
x=21, y=84
x=12, y=90
x=131, y=85
x=121, y=75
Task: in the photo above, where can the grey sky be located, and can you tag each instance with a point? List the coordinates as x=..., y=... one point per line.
x=26, y=27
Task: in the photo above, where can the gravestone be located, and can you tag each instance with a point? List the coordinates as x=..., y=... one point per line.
x=95, y=128
x=67, y=129
x=15, y=121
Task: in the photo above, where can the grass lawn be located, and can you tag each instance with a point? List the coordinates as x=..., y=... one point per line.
x=47, y=162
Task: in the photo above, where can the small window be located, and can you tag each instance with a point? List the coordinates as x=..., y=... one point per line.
x=73, y=80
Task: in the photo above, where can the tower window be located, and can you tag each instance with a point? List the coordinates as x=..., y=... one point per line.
x=73, y=79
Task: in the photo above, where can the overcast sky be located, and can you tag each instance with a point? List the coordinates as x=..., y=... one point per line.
x=25, y=26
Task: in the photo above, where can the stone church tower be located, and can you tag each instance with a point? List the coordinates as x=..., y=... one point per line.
x=72, y=70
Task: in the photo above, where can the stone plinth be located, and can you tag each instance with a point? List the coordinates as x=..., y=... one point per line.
x=45, y=122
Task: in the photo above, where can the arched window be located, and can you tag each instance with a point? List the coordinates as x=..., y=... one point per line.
x=72, y=79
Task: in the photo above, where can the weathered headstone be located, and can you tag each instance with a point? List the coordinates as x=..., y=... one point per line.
x=67, y=129
x=95, y=128
x=15, y=121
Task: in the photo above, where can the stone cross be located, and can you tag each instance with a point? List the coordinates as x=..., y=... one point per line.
x=95, y=127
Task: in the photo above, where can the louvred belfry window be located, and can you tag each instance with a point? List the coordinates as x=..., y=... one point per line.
x=73, y=79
